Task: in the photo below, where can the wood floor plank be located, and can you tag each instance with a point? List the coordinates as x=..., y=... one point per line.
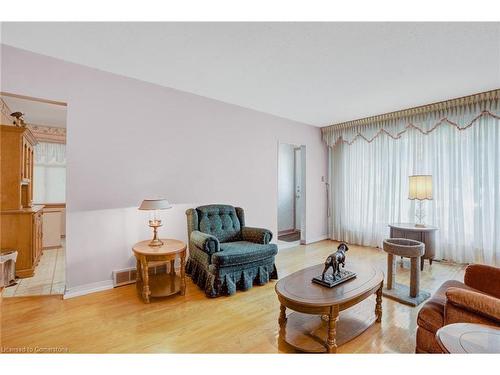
x=117, y=321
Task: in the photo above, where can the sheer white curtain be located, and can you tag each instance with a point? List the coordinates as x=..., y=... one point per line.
x=369, y=186
x=50, y=173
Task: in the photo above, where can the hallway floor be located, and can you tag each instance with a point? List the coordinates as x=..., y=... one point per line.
x=290, y=237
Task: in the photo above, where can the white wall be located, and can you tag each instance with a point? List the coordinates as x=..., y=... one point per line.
x=128, y=140
x=286, y=189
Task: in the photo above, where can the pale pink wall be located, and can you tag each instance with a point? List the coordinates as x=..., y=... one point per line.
x=128, y=140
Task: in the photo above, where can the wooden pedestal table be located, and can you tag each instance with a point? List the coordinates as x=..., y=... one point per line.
x=165, y=284
x=406, y=248
x=325, y=318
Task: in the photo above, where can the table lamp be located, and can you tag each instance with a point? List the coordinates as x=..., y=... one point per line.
x=420, y=188
x=154, y=205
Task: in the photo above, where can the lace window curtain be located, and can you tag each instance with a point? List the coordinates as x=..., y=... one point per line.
x=50, y=173
x=460, y=148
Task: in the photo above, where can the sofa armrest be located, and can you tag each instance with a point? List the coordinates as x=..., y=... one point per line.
x=484, y=278
x=206, y=242
x=257, y=235
x=471, y=302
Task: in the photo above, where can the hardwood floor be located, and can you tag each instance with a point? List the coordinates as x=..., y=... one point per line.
x=118, y=321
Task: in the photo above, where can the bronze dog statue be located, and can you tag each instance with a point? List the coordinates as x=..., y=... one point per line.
x=335, y=260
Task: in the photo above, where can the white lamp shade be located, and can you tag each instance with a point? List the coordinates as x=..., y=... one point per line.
x=154, y=204
x=420, y=187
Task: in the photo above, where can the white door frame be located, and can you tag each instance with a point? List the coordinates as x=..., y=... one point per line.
x=303, y=156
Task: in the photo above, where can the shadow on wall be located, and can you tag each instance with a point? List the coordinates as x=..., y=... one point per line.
x=116, y=231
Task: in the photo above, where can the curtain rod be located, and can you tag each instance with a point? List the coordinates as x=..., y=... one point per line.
x=445, y=104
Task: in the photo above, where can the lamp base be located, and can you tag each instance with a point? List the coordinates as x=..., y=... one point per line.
x=419, y=225
x=156, y=242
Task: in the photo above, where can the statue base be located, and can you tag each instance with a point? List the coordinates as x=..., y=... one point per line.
x=330, y=281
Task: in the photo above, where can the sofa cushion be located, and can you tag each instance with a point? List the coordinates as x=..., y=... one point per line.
x=220, y=221
x=483, y=278
x=431, y=315
x=242, y=252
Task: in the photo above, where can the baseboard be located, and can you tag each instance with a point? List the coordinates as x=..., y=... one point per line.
x=316, y=239
x=88, y=288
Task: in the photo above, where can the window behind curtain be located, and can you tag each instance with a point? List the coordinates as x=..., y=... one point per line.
x=370, y=188
x=50, y=173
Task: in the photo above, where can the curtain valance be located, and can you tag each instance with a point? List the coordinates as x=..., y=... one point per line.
x=461, y=113
x=50, y=154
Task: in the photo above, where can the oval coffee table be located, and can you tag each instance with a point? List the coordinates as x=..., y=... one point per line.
x=460, y=338
x=346, y=306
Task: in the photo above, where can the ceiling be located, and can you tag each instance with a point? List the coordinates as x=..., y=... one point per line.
x=316, y=73
x=38, y=113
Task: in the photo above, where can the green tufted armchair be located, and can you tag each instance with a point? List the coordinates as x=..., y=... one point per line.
x=224, y=254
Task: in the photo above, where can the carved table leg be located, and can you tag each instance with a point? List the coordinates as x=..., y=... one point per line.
x=138, y=276
x=282, y=321
x=331, y=342
x=378, y=306
x=172, y=267
x=145, y=279
x=183, y=274
x=390, y=270
x=282, y=318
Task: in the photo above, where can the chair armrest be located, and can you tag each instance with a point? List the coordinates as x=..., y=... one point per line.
x=473, y=302
x=257, y=235
x=483, y=278
x=206, y=242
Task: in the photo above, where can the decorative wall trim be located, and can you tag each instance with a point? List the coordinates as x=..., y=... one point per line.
x=48, y=133
x=42, y=133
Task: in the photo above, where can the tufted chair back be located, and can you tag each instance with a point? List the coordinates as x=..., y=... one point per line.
x=221, y=221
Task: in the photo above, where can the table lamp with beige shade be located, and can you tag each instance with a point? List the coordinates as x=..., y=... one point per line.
x=154, y=205
x=420, y=188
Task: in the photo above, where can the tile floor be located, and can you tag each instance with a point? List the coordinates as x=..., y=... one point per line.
x=49, y=277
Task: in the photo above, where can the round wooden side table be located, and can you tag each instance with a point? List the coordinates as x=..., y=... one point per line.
x=461, y=338
x=163, y=284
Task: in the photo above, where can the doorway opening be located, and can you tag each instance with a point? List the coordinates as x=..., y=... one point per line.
x=291, y=194
x=33, y=209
